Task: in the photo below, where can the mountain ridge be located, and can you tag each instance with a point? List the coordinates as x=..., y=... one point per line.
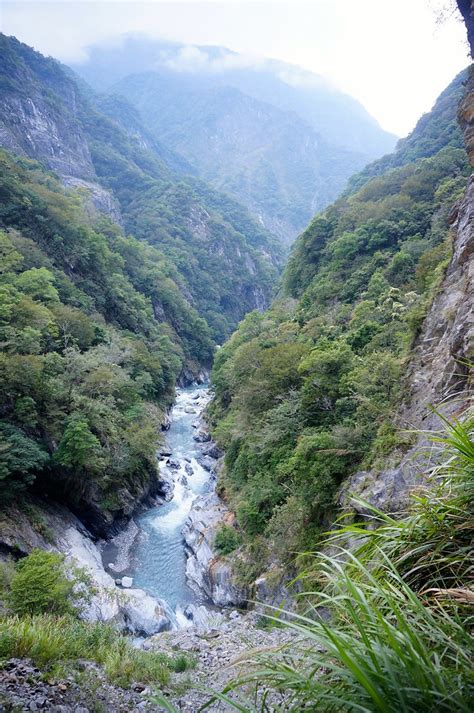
x=243, y=129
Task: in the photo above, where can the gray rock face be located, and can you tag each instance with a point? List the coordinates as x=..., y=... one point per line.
x=35, y=125
x=28, y=127
x=437, y=376
x=129, y=609
x=96, y=197
x=271, y=591
x=207, y=573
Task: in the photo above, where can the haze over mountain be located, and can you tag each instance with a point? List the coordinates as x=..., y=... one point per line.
x=280, y=139
x=212, y=248
x=285, y=521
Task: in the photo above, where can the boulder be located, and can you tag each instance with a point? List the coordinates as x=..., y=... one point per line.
x=202, y=437
x=143, y=615
x=206, y=463
x=127, y=582
x=129, y=609
x=206, y=573
x=212, y=451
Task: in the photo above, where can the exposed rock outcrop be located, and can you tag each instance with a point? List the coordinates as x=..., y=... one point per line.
x=207, y=573
x=49, y=526
x=438, y=374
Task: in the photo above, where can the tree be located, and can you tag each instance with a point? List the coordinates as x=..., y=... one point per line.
x=39, y=284
x=78, y=446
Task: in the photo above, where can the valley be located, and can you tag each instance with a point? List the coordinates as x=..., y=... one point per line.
x=236, y=335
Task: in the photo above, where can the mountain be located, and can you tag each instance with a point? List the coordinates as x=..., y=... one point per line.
x=223, y=262
x=97, y=324
x=309, y=395
x=279, y=139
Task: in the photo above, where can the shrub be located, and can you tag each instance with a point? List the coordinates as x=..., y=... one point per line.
x=41, y=584
x=227, y=540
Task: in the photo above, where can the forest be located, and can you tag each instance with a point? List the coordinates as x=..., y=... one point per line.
x=306, y=392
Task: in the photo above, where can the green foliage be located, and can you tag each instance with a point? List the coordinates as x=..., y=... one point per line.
x=390, y=628
x=209, y=252
x=93, y=333
x=78, y=446
x=51, y=640
x=227, y=540
x=42, y=585
x=305, y=392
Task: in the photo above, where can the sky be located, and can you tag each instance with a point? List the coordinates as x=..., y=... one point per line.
x=393, y=56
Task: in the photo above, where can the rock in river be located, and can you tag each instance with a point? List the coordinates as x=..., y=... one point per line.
x=206, y=573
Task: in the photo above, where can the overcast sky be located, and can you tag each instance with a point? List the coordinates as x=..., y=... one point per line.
x=395, y=56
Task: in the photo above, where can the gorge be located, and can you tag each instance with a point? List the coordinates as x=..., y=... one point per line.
x=185, y=413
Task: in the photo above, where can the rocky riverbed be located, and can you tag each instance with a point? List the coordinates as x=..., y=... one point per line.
x=158, y=579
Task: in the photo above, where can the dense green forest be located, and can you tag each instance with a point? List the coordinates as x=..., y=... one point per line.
x=305, y=393
x=94, y=333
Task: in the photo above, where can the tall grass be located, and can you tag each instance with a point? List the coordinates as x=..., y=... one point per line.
x=390, y=630
x=51, y=641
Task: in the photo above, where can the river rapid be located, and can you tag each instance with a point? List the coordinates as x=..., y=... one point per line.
x=152, y=549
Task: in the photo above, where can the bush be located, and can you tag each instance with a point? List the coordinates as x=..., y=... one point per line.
x=227, y=540
x=41, y=584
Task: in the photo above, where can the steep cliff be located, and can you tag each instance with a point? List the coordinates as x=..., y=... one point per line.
x=439, y=372
x=373, y=326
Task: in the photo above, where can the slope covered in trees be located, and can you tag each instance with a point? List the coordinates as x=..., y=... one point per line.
x=305, y=392
x=224, y=263
x=94, y=333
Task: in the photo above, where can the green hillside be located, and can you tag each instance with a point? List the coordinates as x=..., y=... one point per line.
x=305, y=392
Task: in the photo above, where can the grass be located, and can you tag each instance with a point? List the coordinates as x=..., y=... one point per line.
x=55, y=641
x=390, y=629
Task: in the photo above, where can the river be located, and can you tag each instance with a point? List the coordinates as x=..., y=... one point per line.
x=158, y=561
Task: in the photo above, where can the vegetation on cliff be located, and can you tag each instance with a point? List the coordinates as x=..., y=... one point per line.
x=389, y=625
x=94, y=333
x=219, y=258
x=305, y=393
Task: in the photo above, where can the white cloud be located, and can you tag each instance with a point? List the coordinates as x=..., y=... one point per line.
x=198, y=59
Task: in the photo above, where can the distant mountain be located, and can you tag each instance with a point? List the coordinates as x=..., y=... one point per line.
x=221, y=260
x=280, y=139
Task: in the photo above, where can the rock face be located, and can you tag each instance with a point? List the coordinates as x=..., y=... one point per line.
x=438, y=373
x=207, y=573
x=33, y=124
x=56, y=528
x=130, y=609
